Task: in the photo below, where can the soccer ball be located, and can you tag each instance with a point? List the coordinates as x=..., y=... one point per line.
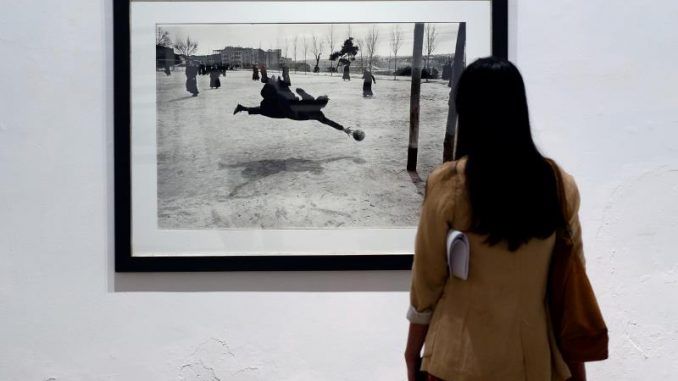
x=358, y=135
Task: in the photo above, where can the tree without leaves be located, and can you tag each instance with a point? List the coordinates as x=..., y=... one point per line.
x=285, y=49
x=330, y=41
x=388, y=62
x=278, y=45
x=360, y=43
x=431, y=44
x=296, y=39
x=186, y=47
x=371, y=41
x=162, y=38
x=305, y=53
x=396, y=43
x=317, y=50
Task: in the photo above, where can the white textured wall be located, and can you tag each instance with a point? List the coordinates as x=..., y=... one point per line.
x=603, y=86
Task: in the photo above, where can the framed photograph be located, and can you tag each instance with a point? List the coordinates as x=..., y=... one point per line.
x=283, y=135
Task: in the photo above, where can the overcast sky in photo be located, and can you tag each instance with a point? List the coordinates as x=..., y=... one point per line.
x=272, y=36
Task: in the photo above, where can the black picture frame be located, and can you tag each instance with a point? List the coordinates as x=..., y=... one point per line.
x=124, y=259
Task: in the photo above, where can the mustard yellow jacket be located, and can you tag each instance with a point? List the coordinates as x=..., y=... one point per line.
x=495, y=325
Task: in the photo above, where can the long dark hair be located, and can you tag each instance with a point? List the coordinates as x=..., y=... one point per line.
x=512, y=187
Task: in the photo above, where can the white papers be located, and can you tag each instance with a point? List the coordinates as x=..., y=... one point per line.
x=458, y=253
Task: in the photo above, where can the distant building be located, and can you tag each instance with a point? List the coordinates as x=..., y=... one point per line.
x=301, y=66
x=247, y=57
x=273, y=58
x=208, y=59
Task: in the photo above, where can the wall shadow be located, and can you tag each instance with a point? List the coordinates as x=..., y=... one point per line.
x=278, y=281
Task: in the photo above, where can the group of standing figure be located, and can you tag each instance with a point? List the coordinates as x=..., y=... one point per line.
x=193, y=69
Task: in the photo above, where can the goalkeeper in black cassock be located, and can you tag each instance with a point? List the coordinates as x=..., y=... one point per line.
x=280, y=102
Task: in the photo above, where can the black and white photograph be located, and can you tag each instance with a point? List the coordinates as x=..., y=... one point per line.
x=285, y=126
x=285, y=135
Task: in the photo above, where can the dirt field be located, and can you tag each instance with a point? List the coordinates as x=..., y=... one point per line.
x=218, y=170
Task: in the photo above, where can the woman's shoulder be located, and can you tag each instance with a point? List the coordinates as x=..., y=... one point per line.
x=445, y=173
x=446, y=193
x=570, y=189
x=447, y=182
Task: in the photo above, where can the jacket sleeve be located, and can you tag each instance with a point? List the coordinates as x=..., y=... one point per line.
x=429, y=270
x=573, y=200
